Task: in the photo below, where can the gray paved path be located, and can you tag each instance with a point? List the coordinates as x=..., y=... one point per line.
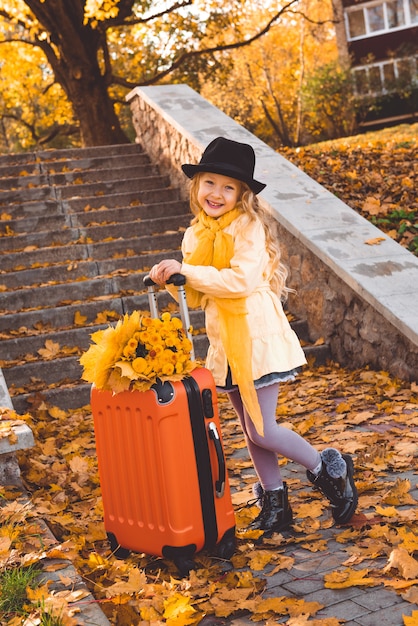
x=358, y=606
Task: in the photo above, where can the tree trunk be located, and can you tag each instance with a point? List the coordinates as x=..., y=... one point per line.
x=99, y=124
x=73, y=53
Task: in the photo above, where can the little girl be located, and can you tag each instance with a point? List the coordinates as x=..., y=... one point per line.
x=231, y=260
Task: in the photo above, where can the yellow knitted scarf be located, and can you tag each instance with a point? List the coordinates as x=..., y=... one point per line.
x=215, y=247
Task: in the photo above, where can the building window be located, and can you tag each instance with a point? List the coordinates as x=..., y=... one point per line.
x=380, y=17
x=384, y=77
x=413, y=9
x=395, y=13
x=376, y=18
x=356, y=24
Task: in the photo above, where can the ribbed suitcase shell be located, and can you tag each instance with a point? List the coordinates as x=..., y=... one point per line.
x=158, y=469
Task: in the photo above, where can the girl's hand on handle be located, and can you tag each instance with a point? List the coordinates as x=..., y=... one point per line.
x=161, y=272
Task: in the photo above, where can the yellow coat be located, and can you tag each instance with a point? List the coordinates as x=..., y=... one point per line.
x=275, y=346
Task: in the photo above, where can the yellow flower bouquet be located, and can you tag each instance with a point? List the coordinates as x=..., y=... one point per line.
x=136, y=352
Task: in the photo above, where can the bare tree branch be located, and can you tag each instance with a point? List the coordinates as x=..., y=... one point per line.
x=54, y=131
x=197, y=53
x=119, y=20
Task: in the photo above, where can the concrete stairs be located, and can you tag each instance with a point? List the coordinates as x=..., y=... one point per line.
x=79, y=229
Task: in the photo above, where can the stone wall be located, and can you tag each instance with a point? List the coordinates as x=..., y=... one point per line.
x=367, y=314
x=357, y=334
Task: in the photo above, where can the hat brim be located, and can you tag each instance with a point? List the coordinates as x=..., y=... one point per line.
x=225, y=170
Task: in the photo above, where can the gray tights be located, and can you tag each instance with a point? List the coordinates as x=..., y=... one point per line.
x=277, y=440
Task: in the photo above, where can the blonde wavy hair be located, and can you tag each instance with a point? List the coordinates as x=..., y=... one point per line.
x=254, y=209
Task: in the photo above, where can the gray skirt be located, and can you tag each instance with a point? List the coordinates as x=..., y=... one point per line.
x=264, y=381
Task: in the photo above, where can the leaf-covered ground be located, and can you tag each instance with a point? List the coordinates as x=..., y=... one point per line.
x=365, y=413
x=376, y=174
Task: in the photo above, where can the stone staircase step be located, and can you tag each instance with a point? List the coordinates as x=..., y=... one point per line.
x=79, y=229
x=102, y=250
x=57, y=237
x=43, y=322
x=37, y=194
x=122, y=198
x=15, y=349
x=32, y=209
x=107, y=187
x=76, y=176
x=54, y=295
x=66, y=395
x=141, y=228
x=25, y=224
x=169, y=240
x=69, y=234
x=130, y=213
x=18, y=160
x=68, y=272
x=41, y=376
x=66, y=156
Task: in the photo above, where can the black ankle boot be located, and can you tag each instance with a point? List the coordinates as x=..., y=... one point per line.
x=276, y=513
x=341, y=491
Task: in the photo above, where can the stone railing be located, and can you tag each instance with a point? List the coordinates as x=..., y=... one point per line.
x=22, y=439
x=361, y=298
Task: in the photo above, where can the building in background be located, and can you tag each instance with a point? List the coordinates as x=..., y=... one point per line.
x=379, y=39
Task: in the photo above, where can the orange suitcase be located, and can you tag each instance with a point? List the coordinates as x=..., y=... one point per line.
x=162, y=468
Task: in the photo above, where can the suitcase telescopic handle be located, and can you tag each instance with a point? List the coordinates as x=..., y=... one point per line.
x=179, y=280
x=220, y=483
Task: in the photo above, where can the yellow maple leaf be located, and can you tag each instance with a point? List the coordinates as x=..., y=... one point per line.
x=348, y=578
x=304, y=620
x=401, y=560
x=371, y=205
x=260, y=559
x=375, y=241
x=103, y=316
x=96, y=560
x=5, y=543
x=136, y=580
x=294, y=607
x=51, y=349
x=57, y=413
x=149, y=614
x=343, y=407
x=409, y=540
x=80, y=467
x=38, y=594
x=298, y=606
x=400, y=583
x=386, y=511
x=286, y=562
x=178, y=610
x=309, y=509
x=79, y=320
x=411, y=595
x=300, y=620
x=407, y=448
x=411, y=620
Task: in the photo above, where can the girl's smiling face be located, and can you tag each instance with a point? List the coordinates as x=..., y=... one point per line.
x=218, y=194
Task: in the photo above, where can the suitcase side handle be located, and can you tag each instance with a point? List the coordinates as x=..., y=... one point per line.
x=220, y=483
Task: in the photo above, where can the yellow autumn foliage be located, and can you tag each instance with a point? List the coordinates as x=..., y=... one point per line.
x=136, y=352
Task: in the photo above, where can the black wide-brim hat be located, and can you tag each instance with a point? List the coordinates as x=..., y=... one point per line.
x=228, y=158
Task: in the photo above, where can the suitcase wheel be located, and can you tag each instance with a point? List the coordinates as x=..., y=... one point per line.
x=116, y=548
x=226, y=547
